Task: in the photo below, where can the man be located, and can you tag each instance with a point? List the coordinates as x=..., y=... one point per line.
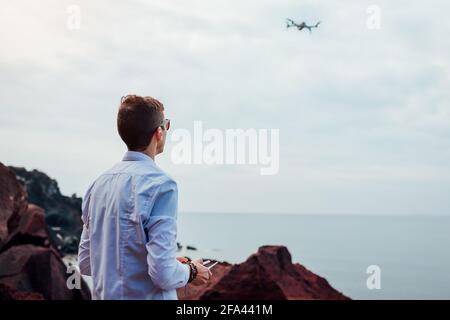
x=128, y=243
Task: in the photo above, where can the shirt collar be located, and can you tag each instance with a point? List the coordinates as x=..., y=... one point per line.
x=136, y=156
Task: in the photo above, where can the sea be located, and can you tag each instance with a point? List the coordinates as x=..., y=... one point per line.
x=408, y=255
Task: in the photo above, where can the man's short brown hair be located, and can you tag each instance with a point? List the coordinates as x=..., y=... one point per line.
x=137, y=120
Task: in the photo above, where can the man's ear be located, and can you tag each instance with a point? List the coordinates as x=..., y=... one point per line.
x=158, y=134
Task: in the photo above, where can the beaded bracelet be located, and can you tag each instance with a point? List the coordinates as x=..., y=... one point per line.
x=193, y=273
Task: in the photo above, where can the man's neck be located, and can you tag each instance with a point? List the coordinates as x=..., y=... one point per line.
x=149, y=153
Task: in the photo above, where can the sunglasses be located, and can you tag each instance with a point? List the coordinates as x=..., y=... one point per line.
x=165, y=125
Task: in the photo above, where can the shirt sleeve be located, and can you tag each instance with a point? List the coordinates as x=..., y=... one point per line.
x=84, y=254
x=164, y=269
x=84, y=259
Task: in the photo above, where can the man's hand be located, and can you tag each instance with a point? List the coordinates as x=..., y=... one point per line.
x=203, y=273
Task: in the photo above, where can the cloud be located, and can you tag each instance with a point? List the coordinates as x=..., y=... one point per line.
x=360, y=111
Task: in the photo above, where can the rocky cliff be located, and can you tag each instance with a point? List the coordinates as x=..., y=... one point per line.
x=30, y=267
x=268, y=274
x=62, y=213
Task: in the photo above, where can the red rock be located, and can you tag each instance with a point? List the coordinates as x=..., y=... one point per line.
x=33, y=222
x=8, y=293
x=29, y=266
x=13, y=203
x=269, y=274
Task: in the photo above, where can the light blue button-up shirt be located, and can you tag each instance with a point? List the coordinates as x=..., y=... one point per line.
x=128, y=244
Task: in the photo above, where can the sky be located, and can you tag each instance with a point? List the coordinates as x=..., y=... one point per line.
x=363, y=113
